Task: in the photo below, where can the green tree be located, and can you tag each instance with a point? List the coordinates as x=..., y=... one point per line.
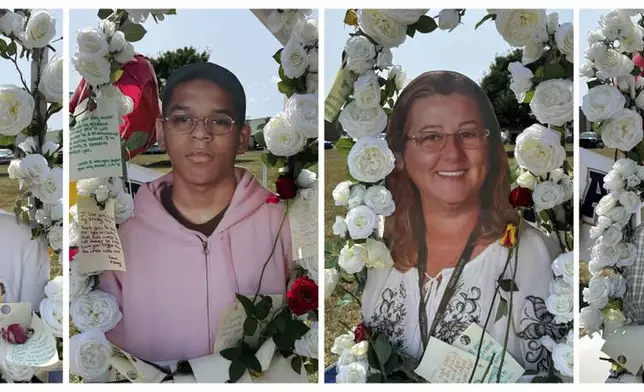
x=512, y=115
x=168, y=62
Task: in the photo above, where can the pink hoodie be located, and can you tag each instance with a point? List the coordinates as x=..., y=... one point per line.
x=178, y=283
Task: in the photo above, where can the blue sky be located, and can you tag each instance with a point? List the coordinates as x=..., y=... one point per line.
x=236, y=38
x=464, y=50
x=588, y=21
x=9, y=75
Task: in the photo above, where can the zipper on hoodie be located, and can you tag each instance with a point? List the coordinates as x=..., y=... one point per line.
x=206, y=252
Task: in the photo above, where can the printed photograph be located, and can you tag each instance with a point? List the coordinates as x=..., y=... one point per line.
x=611, y=263
x=449, y=196
x=194, y=196
x=31, y=193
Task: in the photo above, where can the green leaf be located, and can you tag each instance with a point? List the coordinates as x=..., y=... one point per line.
x=103, y=13
x=263, y=307
x=296, y=364
x=383, y=348
x=372, y=357
x=539, y=73
x=553, y=71
x=528, y=97
x=284, y=88
x=374, y=378
x=172, y=12
x=485, y=18
x=12, y=48
x=138, y=139
x=297, y=329
x=411, y=31
x=232, y=353
x=236, y=370
x=282, y=341
x=502, y=310
x=426, y=24
x=7, y=140
x=133, y=32
x=344, y=145
x=636, y=71
x=252, y=363
x=278, y=56
x=248, y=305
x=250, y=326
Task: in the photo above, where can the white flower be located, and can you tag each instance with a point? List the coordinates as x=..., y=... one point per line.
x=564, y=37
x=597, y=292
x=331, y=279
x=355, y=373
x=12, y=372
x=627, y=254
x=359, y=66
x=559, y=287
x=605, y=255
x=92, y=41
x=547, y=195
x=366, y=91
x=552, y=22
x=448, y=19
x=618, y=214
x=294, y=59
x=79, y=285
x=118, y=43
x=398, y=75
x=595, y=232
x=380, y=200
x=532, y=51
x=360, y=349
x=361, y=222
x=517, y=26
x=618, y=286
x=625, y=167
x=107, y=27
x=88, y=187
x=50, y=148
x=612, y=236
x=343, y=343
x=340, y=226
x=378, y=253
x=97, y=309
x=521, y=80
x=623, y=131
x=609, y=62
x=34, y=169
x=527, y=180
x=303, y=112
x=55, y=237
x=564, y=359
x=51, y=312
x=633, y=41
x=306, y=31
x=95, y=69
x=564, y=266
x=606, y=204
x=385, y=58
x=341, y=193
x=51, y=81
x=615, y=25
x=632, y=181
x=12, y=23
x=539, y=150
x=102, y=193
x=14, y=169
x=370, y=160
x=281, y=138
x=51, y=189
x=311, y=83
x=382, y=27
x=405, y=16
x=604, y=222
x=590, y=319
x=313, y=60
x=54, y=287
x=640, y=172
x=356, y=197
x=306, y=179
x=39, y=31
x=552, y=102
x=126, y=55
x=358, y=122
x=360, y=48
x=137, y=16
x=16, y=110
x=602, y=102
x=586, y=70
x=74, y=234
x=560, y=306
x=307, y=345
x=630, y=201
x=29, y=145
x=353, y=259
x=90, y=354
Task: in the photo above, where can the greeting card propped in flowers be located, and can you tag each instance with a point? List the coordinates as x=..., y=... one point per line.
x=39, y=349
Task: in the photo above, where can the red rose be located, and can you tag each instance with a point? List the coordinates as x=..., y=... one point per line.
x=361, y=333
x=72, y=253
x=285, y=186
x=521, y=197
x=303, y=296
x=15, y=334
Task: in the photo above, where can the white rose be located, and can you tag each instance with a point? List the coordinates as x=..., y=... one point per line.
x=604, y=255
x=564, y=37
x=294, y=58
x=92, y=41
x=612, y=236
x=306, y=179
x=95, y=69
x=12, y=23
x=448, y=19
x=306, y=31
x=564, y=266
x=552, y=102
x=307, y=345
x=602, y=102
x=586, y=70
x=547, y=195
x=42, y=218
x=79, y=285
x=97, y=309
x=521, y=80
x=51, y=312
x=379, y=254
x=50, y=148
x=630, y=201
x=87, y=187
x=595, y=232
x=623, y=131
x=359, y=66
x=39, y=31
x=640, y=172
x=614, y=25
x=360, y=48
x=564, y=359
x=51, y=81
x=552, y=22
x=55, y=237
x=627, y=254
x=16, y=110
x=618, y=214
x=385, y=58
x=617, y=285
x=29, y=145
x=527, y=180
x=609, y=62
x=366, y=91
x=51, y=189
x=405, y=16
x=606, y=204
x=590, y=319
x=281, y=138
x=632, y=181
x=532, y=51
x=90, y=354
x=311, y=83
x=346, y=358
x=302, y=110
x=597, y=292
x=604, y=222
x=13, y=372
x=14, y=169
x=361, y=222
x=343, y=343
x=560, y=306
x=358, y=122
x=539, y=150
x=360, y=349
x=380, y=200
x=313, y=60
x=399, y=76
x=370, y=160
x=559, y=287
x=381, y=27
x=355, y=373
x=356, y=197
x=625, y=167
x=126, y=55
x=34, y=169
x=341, y=193
x=632, y=42
x=74, y=234
x=517, y=26
x=55, y=210
x=353, y=259
x=117, y=42
x=102, y=193
x=340, y=226
x=107, y=27
x=331, y=279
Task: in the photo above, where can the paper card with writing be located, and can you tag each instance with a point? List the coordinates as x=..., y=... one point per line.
x=443, y=363
x=144, y=372
x=15, y=313
x=95, y=144
x=99, y=246
x=39, y=350
x=214, y=369
x=469, y=341
x=620, y=346
x=342, y=87
x=231, y=326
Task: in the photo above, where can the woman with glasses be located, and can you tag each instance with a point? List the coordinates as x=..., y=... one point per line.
x=451, y=189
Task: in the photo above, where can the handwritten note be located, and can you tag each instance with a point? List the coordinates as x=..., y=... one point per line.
x=134, y=369
x=15, y=313
x=95, y=147
x=99, y=246
x=443, y=363
x=39, y=350
x=342, y=87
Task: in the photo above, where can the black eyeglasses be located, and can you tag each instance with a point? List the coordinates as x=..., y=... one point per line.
x=219, y=124
x=434, y=141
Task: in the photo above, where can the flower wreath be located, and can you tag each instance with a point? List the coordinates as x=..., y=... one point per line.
x=544, y=185
x=28, y=34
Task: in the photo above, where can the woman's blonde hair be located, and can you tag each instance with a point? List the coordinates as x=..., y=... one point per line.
x=496, y=211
